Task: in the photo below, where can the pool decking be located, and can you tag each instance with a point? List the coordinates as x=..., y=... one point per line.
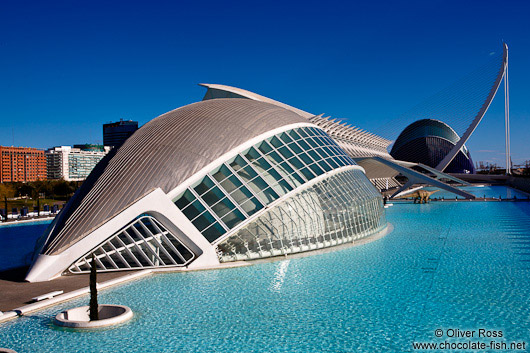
x=15, y=293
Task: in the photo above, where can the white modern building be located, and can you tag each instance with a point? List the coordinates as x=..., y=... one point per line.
x=357, y=142
x=365, y=148
x=72, y=164
x=216, y=181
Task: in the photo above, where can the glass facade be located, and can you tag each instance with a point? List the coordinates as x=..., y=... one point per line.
x=81, y=164
x=336, y=210
x=342, y=207
x=145, y=243
x=245, y=184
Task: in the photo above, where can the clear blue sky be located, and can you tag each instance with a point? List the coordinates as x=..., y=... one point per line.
x=67, y=67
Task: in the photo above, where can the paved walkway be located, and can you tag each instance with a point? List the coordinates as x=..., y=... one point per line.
x=16, y=293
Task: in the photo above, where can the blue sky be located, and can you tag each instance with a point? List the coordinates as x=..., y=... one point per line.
x=68, y=67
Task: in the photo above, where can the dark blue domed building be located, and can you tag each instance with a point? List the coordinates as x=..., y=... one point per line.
x=428, y=141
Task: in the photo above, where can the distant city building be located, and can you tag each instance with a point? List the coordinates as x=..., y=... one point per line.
x=90, y=147
x=115, y=134
x=22, y=164
x=73, y=164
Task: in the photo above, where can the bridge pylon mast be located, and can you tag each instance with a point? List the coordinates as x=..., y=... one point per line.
x=507, y=115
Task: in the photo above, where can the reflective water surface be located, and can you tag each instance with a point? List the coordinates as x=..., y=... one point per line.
x=17, y=243
x=446, y=265
x=493, y=191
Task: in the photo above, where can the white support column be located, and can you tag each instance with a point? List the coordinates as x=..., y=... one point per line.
x=507, y=118
x=452, y=154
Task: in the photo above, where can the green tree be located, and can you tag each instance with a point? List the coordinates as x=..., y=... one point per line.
x=6, y=190
x=24, y=189
x=63, y=188
x=93, y=306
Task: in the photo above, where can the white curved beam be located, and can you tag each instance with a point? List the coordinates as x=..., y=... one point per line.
x=452, y=154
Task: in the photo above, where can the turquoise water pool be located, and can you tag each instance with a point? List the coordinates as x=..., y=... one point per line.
x=445, y=265
x=496, y=191
x=17, y=243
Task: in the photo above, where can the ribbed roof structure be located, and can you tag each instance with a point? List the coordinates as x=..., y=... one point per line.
x=357, y=142
x=163, y=153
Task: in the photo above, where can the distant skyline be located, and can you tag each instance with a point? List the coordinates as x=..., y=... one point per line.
x=68, y=67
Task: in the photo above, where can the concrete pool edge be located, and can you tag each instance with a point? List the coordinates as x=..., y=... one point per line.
x=33, y=307
x=23, y=310
x=26, y=221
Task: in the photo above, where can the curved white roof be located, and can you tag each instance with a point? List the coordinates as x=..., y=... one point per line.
x=337, y=129
x=242, y=93
x=162, y=154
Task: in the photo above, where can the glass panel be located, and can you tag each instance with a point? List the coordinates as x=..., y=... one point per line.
x=241, y=195
x=304, y=145
x=272, y=177
x=337, y=150
x=285, y=169
x=251, y=206
x=331, y=141
x=296, y=179
x=233, y=218
x=223, y=207
x=332, y=163
x=320, y=132
x=274, y=157
x=257, y=184
x=312, y=142
x=193, y=210
x=231, y=183
x=261, y=164
x=282, y=187
x=141, y=230
x=214, y=232
x=322, y=152
x=185, y=199
x=297, y=163
x=314, y=155
x=296, y=149
x=147, y=222
x=305, y=158
x=302, y=132
x=338, y=161
x=284, y=151
x=329, y=151
x=276, y=142
x=294, y=135
x=237, y=163
x=204, y=185
x=319, y=140
x=307, y=173
x=268, y=195
x=248, y=175
x=316, y=169
x=313, y=131
x=203, y=221
x=221, y=173
x=252, y=154
x=324, y=165
x=264, y=147
x=213, y=196
x=285, y=138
